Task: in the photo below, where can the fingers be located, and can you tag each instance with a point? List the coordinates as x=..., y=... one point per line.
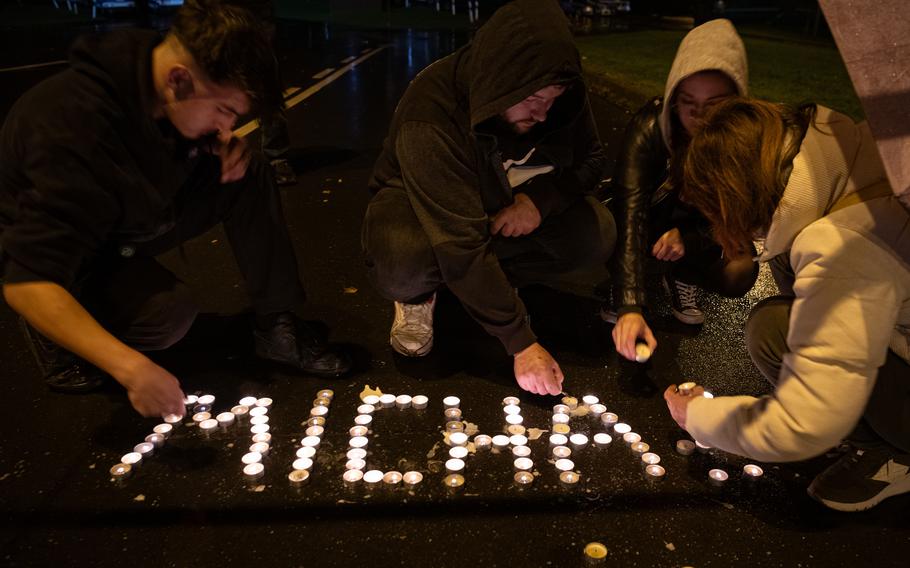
x=670, y=392
x=554, y=386
x=498, y=221
x=235, y=158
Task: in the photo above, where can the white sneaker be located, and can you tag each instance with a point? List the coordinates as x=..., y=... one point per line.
x=412, y=330
x=683, y=301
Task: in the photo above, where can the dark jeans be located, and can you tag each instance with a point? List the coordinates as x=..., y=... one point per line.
x=887, y=413
x=148, y=307
x=403, y=268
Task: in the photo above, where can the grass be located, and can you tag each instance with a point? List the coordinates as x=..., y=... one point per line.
x=637, y=63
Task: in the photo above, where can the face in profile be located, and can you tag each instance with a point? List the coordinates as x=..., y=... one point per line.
x=526, y=114
x=697, y=93
x=200, y=107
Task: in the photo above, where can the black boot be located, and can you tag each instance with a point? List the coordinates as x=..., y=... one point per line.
x=288, y=341
x=62, y=371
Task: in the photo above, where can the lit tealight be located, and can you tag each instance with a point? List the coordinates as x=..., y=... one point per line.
x=452, y=413
x=419, y=402
x=518, y=440
x=387, y=400
x=264, y=401
x=303, y=464
x=510, y=401
x=312, y=441
x=706, y=394
x=642, y=352
x=521, y=451
x=561, y=429
x=595, y=552
x=451, y=402
x=264, y=437
x=363, y=419
x=718, y=476
x=598, y=409
x=247, y=401
x=561, y=409
x=570, y=401
x=569, y=477
x=259, y=420
x=163, y=429
x=686, y=388
x=206, y=399
x=226, y=418
x=511, y=409
x=259, y=411
x=609, y=419
x=156, y=439
x=561, y=419
x=315, y=431
x=316, y=421
x=639, y=448
x=366, y=409
x=190, y=400
x=373, y=476
x=144, y=449
x=202, y=408
x=171, y=418
x=251, y=457
x=523, y=477
x=703, y=448
x=121, y=471
x=412, y=477
x=358, y=431
x=650, y=458
x=319, y=411
x=401, y=401
x=458, y=452
x=454, y=465
x=685, y=447
x=371, y=399
x=523, y=464
x=655, y=471
x=564, y=464
x=500, y=441
x=578, y=439
x=240, y=410
x=560, y=452
x=631, y=438
x=358, y=441
x=352, y=475
x=621, y=428
x=458, y=438
x=260, y=447
x=590, y=399
x=516, y=430
x=356, y=454
x=455, y=426
x=298, y=477
x=752, y=471
x=602, y=439
x=355, y=463
x=322, y=401
x=514, y=418
x=201, y=416
x=306, y=452
x=253, y=470
x=208, y=426
x=260, y=429
x=558, y=439
x=392, y=477
x=482, y=441
x=326, y=393
x=453, y=481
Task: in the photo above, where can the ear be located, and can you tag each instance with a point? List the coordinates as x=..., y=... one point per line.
x=180, y=82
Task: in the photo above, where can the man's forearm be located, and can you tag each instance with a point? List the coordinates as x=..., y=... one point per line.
x=61, y=318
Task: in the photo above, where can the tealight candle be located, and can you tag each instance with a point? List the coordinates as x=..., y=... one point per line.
x=560, y=452
x=458, y=438
x=190, y=400
x=642, y=352
x=482, y=441
x=387, y=400
x=202, y=408
x=356, y=454
x=569, y=477
x=392, y=477
x=247, y=401
x=453, y=413
x=718, y=476
x=655, y=471
x=306, y=452
x=261, y=447
x=511, y=409
x=260, y=429
x=685, y=447
x=515, y=430
x=171, y=418
x=371, y=399
x=510, y=401
x=518, y=440
x=650, y=458
x=352, y=475
x=453, y=481
x=121, y=471
x=455, y=426
x=598, y=409
x=561, y=429
x=706, y=394
x=322, y=402
x=752, y=471
x=500, y=441
x=514, y=418
x=201, y=416
x=156, y=439
x=251, y=457
x=560, y=419
x=523, y=464
x=163, y=429
x=316, y=421
x=401, y=401
x=312, y=441
x=578, y=440
x=703, y=448
x=264, y=437
x=356, y=463
x=458, y=452
x=207, y=399
x=373, y=476
x=145, y=449
x=639, y=448
x=602, y=439
x=570, y=401
x=451, y=402
x=523, y=477
x=685, y=388
x=303, y=464
x=253, y=470
x=412, y=477
x=259, y=411
x=631, y=437
x=326, y=393
x=419, y=402
x=298, y=477
x=621, y=428
x=595, y=552
x=315, y=431
x=259, y=420
x=264, y=401
x=358, y=441
x=561, y=409
x=609, y=419
x=363, y=419
x=208, y=426
x=366, y=409
x=564, y=464
x=590, y=399
x=558, y=439
x=358, y=431
x=225, y=419
x=454, y=465
x=521, y=451
x=240, y=410
x=319, y=411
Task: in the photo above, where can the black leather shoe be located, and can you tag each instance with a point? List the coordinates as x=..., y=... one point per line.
x=62, y=371
x=293, y=343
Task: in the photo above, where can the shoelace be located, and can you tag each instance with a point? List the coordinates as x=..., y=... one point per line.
x=415, y=316
x=687, y=293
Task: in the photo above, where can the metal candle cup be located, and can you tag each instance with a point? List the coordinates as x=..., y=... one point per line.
x=521, y=451
x=306, y=452
x=609, y=419
x=455, y=426
x=686, y=388
x=121, y=471
x=225, y=419
x=598, y=409
x=685, y=447
x=631, y=437
x=419, y=402
x=703, y=448
x=655, y=472
x=171, y=418
x=190, y=400
x=156, y=439
x=319, y=411
x=590, y=399
x=253, y=470
x=240, y=410
x=602, y=439
x=412, y=477
x=260, y=429
x=718, y=476
x=371, y=399
x=251, y=457
x=247, y=401
x=452, y=413
x=621, y=428
x=639, y=448
x=145, y=449
x=595, y=553
x=558, y=440
x=453, y=481
x=259, y=420
x=514, y=418
x=261, y=447
x=352, y=475
x=305, y=464
x=523, y=477
x=401, y=401
x=458, y=438
x=363, y=419
x=322, y=402
x=355, y=463
x=451, y=402
x=561, y=419
x=482, y=441
x=565, y=464
x=315, y=431
x=326, y=393
x=316, y=421
x=516, y=430
x=560, y=452
x=523, y=464
x=458, y=452
x=264, y=401
x=500, y=441
x=387, y=400
x=201, y=416
x=454, y=465
x=561, y=429
x=642, y=352
x=366, y=409
x=511, y=409
x=570, y=401
x=163, y=429
x=312, y=441
x=650, y=458
x=132, y=458
x=578, y=440
x=358, y=441
x=511, y=401
x=752, y=471
x=561, y=409
x=258, y=411
x=206, y=399
x=518, y=440
x=568, y=477
x=265, y=437
x=392, y=477
x=298, y=477
x=358, y=431
x=202, y=408
x=372, y=476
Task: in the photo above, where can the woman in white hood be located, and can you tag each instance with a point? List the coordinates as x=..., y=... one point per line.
x=710, y=66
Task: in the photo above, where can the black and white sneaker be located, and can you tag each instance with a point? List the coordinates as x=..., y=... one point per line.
x=862, y=478
x=683, y=300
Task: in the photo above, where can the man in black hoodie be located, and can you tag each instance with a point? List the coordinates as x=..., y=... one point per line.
x=481, y=185
x=124, y=155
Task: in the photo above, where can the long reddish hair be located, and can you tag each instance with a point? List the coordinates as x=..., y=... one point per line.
x=733, y=171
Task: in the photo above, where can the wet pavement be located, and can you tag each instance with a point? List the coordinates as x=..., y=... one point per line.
x=189, y=503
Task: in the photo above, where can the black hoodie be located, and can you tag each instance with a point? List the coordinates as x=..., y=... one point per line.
x=446, y=148
x=84, y=168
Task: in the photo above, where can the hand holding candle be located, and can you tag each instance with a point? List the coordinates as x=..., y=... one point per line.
x=536, y=371
x=630, y=330
x=678, y=403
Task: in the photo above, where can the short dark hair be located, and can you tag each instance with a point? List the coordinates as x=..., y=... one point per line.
x=232, y=47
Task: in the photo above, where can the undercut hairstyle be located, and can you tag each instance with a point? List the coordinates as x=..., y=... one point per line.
x=232, y=47
x=737, y=165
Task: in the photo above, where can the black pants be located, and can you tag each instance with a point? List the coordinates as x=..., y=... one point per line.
x=887, y=414
x=403, y=268
x=148, y=307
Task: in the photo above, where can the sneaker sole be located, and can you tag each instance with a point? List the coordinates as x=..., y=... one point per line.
x=419, y=352
x=688, y=318
x=898, y=488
